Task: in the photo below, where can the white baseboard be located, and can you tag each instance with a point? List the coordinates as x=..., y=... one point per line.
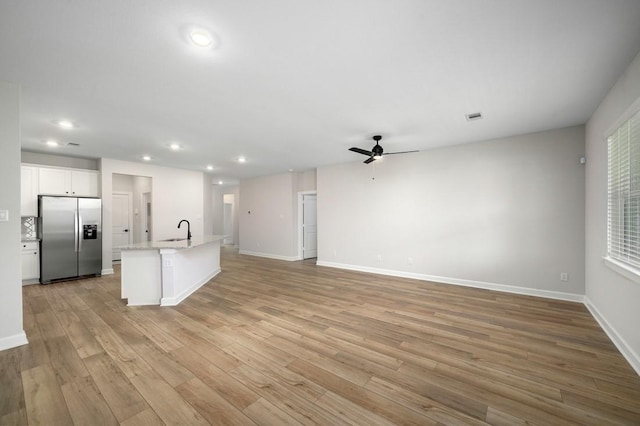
x=107, y=271
x=173, y=301
x=270, y=256
x=557, y=295
x=625, y=349
x=13, y=341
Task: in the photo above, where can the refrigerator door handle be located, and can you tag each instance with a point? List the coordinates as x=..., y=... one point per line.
x=79, y=231
x=75, y=231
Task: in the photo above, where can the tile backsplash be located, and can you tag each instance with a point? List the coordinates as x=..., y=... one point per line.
x=29, y=230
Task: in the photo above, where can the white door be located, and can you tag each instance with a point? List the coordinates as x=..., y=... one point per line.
x=121, y=221
x=309, y=226
x=228, y=223
x=146, y=217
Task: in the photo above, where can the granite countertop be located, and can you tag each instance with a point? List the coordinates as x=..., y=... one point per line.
x=178, y=245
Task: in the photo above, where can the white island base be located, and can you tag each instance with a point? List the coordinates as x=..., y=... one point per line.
x=166, y=272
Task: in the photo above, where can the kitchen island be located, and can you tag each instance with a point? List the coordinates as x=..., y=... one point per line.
x=166, y=272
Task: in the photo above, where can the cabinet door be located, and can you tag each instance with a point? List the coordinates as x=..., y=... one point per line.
x=84, y=183
x=28, y=191
x=54, y=181
x=30, y=264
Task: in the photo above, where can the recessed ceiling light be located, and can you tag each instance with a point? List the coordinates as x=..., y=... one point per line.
x=146, y=158
x=175, y=146
x=219, y=182
x=65, y=124
x=209, y=167
x=200, y=37
x=52, y=143
x=242, y=160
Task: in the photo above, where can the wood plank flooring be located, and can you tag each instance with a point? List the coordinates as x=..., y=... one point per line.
x=271, y=342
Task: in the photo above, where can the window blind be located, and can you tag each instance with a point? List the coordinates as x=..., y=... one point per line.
x=624, y=192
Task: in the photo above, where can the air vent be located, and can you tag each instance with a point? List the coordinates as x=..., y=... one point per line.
x=474, y=116
x=72, y=144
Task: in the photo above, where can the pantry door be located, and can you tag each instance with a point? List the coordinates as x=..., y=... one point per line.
x=122, y=217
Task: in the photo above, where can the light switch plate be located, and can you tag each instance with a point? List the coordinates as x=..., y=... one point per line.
x=4, y=215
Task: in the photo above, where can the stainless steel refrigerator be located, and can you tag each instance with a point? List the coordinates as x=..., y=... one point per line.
x=70, y=230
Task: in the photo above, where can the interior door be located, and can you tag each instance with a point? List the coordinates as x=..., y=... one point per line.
x=121, y=222
x=146, y=217
x=309, y=226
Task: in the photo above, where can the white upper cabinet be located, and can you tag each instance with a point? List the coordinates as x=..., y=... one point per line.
x=84, y=183
x=68, y=182
x=28, y=191
x=54, y=181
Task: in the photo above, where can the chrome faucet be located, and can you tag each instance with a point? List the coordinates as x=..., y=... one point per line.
x=188, y=228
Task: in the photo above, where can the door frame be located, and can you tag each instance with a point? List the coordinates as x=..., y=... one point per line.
x=301, y=195
x=130, y=196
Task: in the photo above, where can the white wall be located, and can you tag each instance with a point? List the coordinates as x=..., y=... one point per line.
x=176, y=194
x=207, y=200
x=59, y=160
x=306, y=181
x=267, y=219
x=217, y=204
x=11, y=332
x=614, y=300
x=505, y=214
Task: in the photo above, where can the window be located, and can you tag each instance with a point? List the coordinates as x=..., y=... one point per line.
x=624, y=193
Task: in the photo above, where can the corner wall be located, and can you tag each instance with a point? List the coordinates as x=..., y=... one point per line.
x=505, y=214
x=176, y=194
x=11, y=331
x=613, y=299
x=266, y=216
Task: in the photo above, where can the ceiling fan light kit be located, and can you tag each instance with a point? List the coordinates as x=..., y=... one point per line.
x=376, y=152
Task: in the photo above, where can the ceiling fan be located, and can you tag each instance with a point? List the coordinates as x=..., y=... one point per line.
x=376, y=152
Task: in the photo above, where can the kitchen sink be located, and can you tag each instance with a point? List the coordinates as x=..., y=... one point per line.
x=175, y=239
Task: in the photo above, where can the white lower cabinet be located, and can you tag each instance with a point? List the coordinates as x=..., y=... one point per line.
x=30, y=261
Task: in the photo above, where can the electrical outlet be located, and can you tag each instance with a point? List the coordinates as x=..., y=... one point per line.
x=410, y=260
x=564, y=276
x=379, y=258
x=335, y=253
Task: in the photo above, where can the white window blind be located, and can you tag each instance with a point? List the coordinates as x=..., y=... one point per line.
x=624, y=193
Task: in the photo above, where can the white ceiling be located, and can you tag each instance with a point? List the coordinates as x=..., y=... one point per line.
x=293, y=84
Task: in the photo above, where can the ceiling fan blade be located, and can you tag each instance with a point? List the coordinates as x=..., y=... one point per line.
x=361, y=151
x=369, y=160
x=400, y=152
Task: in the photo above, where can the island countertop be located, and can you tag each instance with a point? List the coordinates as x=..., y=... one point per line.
x=177, y=245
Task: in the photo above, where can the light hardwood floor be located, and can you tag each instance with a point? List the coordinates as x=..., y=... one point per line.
x=272, y=342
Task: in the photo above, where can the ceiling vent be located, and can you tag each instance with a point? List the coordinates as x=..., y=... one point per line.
x=474, y=116
x=72, y=144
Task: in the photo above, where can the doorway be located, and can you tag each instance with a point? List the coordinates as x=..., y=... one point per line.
x=227, y=218
x=122, y=218
x=131, y=211
x=308, y=225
